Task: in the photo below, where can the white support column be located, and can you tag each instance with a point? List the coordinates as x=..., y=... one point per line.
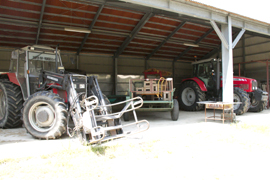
x=227, y=62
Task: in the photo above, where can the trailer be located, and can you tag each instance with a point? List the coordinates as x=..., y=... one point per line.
x=157, y=95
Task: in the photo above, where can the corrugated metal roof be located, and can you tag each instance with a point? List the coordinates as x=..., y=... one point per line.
x=19, y=23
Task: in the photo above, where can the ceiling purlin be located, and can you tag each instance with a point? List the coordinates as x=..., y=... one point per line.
x=40, y=20
x=134, y=32
x=167, y=38
x=196, y=42
x=90, y=28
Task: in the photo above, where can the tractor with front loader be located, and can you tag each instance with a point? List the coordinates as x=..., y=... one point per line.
x=206, y=85
x=38, y=93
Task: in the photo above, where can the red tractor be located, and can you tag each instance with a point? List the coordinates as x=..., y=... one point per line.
x=206, y=85
x=40, y=94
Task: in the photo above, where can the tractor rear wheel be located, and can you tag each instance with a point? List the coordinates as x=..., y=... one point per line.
x=241, y=96
x=11, y=101
x=45, y=115
x=190, y=94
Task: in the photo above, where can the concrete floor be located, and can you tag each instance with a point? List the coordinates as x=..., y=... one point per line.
x=18, y=143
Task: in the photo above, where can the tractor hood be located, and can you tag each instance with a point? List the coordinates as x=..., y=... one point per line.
x=247, y=84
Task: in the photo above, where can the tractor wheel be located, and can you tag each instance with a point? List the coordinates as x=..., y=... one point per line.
x=190, y=94
x=240, y=95
x=11, y=102
x=257, y=105
x=175, y=110
x=45, y=115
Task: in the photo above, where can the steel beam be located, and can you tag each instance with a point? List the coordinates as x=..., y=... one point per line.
x=196, y=42
x=115, y=70
x=162, y=43
x=211, y=53
x=90, y=28
x=219, y=33
x=238, y=38
x=134, y=32
x=40, y=20
x=214, y=51
x=203, y=12
x=244, y=54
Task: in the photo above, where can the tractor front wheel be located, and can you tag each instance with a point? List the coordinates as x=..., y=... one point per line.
x=256, y=105
x=242, y=101
x=45, y=115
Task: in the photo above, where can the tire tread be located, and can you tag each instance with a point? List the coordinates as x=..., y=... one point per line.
x=61, y=111
x=15, y=102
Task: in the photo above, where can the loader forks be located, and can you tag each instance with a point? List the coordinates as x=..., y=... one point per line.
x=92, y=111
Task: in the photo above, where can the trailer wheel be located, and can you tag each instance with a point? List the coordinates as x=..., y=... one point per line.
x=175, y=110
x=257, y=105
x=45, y=115
x=11, y=102
x=190, y=94
x=240, y=95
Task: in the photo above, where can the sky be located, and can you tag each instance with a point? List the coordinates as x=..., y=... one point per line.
x=258, y=9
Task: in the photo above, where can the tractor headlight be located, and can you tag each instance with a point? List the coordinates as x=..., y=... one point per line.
x=254, y=85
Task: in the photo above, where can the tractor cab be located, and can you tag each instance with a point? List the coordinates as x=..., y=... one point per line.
x=209, y=71
x=28, y=63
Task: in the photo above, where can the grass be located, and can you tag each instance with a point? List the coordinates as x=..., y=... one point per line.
x=83, y=163
x=263, y=129
x=179, y=157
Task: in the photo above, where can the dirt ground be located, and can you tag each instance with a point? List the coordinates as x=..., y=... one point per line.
x=194, y=149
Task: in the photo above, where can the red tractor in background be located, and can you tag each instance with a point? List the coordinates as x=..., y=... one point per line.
x=206, y=85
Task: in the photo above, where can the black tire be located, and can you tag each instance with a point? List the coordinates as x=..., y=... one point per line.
x=39, y=106
x=258, y=108
x=239, y=95
x=11, y=102
x=189, y=94
x=257, y=105
x=175, y=110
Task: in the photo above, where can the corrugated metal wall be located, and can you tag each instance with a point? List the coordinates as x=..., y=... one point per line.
x=103, y=68
x=256, y=48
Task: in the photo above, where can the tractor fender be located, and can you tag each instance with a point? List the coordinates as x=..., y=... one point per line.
x=11, y=76
x=198, y=81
